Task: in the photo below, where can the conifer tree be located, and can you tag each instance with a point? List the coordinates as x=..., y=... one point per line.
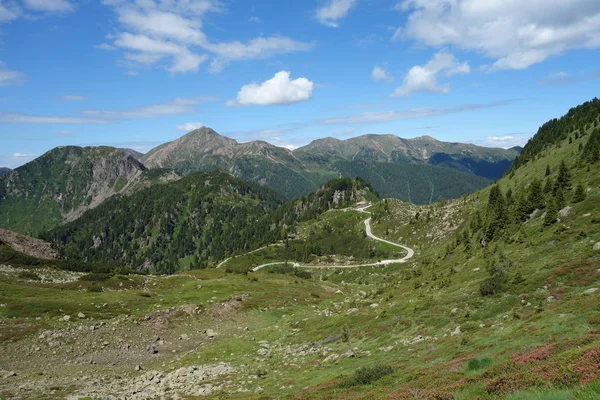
x=549, y=186
x=536, y=196
x=551, y=214
x=579, y=194
x=548, y=171
x=559, y=199
x=563, y=180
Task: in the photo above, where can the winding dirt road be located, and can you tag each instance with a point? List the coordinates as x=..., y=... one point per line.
x=409, y=252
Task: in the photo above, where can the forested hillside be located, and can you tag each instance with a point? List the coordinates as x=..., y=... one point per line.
x=577, y=122
x=418, y=184
x=194, y=222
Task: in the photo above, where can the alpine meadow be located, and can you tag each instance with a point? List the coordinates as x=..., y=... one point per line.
x=395, y=199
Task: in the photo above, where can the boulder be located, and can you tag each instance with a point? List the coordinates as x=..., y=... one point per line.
x=597, y=246
x=590, y=291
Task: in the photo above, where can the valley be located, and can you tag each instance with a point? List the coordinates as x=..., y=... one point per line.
x=207, y=286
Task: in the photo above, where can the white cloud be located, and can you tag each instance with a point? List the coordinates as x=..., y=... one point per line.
x=8, y=77
x=278, y=90
x=72, y=97
x=423, y=78
x=396, y=115
x=333, y=11
x=380, y=74
x=18, y=118
x=9, y=11
x=508, y=141
x=190, y=126
x=171, y=31
x=172, y=107
x=515, y=34
x=254, y=19
x=63, y=133
x=50, y=6
x=16, y=159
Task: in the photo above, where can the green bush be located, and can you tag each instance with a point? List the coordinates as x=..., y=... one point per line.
x=29, y=275
x=475, y=364
x=95, y=277
x=368, y=375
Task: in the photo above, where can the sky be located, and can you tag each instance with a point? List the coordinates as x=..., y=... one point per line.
x=138, y=73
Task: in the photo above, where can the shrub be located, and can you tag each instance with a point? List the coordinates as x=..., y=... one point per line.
x=475, y=364
x=368, y=375
x=29, y=275
x=95, y=277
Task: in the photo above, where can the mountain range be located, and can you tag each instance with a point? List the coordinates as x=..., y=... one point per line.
x=65, y=182
x=4, y=171
x=297, y=172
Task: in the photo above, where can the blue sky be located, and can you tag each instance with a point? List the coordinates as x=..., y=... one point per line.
x=137, y=73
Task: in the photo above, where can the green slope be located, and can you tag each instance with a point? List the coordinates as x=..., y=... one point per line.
x=194, y=222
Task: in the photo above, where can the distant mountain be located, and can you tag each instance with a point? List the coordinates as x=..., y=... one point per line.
x=66, y=181
x=205, y=150
x=486, y=162
x=4, y=171
x=133, y=153
x=295, y=173
x=413, y=183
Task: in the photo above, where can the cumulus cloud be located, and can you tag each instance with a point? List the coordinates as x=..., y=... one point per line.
x=169, y=33
x=423, y=78
x=190, y=126
x=514, y=34
x=280, y=89
x=380, y=74
x=333, y=11
x=9, y=77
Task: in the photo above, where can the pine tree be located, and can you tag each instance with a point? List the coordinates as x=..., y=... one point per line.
x=579, y=194
x=549, y=186
x=551, y=214
x=523, y=208
x=536, y=196
x=559, y=199
x=497, y=213
x=548, y=171
x=563, y=180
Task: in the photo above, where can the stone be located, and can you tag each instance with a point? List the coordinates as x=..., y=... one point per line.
x=374, y=305
x=457, y=332
x=550, y=299
x=565, y=212
x=66, y=318
x=597, y=246
x=81, y=315
x=352, y=310
x=152, y=350
x=454, y=310
x=138, y=368
x=590, y=291
x=210, y=333
x=258, y=390
x=262, y=352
